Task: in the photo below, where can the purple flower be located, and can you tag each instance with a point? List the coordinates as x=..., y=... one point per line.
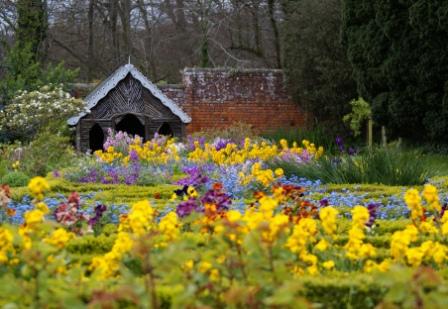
x=221, y=143
x=195, y=177
x=324, y=202
x=133, y=156
x=216, y=197
x=99, y=210
x=372, y=208
x=187, y=207
x=340, y=143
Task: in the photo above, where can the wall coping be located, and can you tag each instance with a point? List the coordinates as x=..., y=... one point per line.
x=231, y=70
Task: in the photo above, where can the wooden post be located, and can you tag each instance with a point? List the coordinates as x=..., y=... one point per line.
x=383, y=136
x=370, y=133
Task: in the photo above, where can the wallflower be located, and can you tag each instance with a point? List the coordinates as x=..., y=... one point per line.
x=42, y=207
x=428, y=227
x=431, y=197
x=400, y=241
x=360, y=216
x=34, y=217
x=140, y=218
x=414, y=256
x=322, y=245
x=328, y=265
x=6, y=245
x=413, y=201
x=328, y=217
x=169, y=226
x=59, y=238
x=38, y=186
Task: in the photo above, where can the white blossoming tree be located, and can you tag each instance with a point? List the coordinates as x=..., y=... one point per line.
x=29, y=112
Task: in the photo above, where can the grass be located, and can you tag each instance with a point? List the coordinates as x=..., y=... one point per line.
x=388, y=166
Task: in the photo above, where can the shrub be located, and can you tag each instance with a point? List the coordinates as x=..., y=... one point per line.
x=46, y=153
x=388, y=166
x=31, y=111
x=15, y=179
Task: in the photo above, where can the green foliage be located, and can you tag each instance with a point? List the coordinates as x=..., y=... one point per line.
x=318, y=71
x=361, y=111
x=389, y=166
x=15, y=179
x=32, y=25
x=90, y=244
x=397, y=50
x=46, y=153
x=354, y=291
x=24, y=73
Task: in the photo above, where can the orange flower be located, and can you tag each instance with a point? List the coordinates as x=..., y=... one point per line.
x=217, y=186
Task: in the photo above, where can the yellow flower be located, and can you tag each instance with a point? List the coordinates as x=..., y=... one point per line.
x=59, y=238
x=191, y=191
x=414, y=256
x=328, y=217
x=214, y=275
x=428, y=227
x=188, y=265
x=139, y=218
x=233, y=216
x=42, y=207
x=413, y=201
x=6, y=244
x=279, y=172
x=328, y=265
x=38, y=186
x=322, y=245
x=169, y=226
x=204, y=267
x=360, y=216
x=34, y=217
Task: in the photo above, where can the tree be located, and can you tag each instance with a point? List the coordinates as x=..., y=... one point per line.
x=32, y=26
x=23, y=72
x=398, y=53
x=317, y=68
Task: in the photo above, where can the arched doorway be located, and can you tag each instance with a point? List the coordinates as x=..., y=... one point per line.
x=165, y=129
x=131, y=125
x=96, y=138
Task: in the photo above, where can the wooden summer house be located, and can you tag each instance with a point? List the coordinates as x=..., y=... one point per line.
x=127, y=101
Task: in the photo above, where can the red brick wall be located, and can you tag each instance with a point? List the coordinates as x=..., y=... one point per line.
x=216, y=98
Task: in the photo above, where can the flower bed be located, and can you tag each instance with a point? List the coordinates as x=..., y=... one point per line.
x=198, y=245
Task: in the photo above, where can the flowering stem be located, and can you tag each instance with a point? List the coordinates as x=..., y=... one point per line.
x=240, y=257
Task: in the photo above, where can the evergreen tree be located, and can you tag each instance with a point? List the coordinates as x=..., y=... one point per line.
x=398, y=52
x=32, y=26
x=318, y=71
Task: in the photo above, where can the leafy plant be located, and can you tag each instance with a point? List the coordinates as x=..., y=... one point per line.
x=15, y=179
x=389, y=166
x=361, y=111
x=46, y=153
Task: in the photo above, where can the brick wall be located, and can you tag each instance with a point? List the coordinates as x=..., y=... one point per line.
x=174, y=92
x=216, y=98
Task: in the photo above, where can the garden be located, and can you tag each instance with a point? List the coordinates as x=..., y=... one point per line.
x=222, y=219
x=299, y=160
